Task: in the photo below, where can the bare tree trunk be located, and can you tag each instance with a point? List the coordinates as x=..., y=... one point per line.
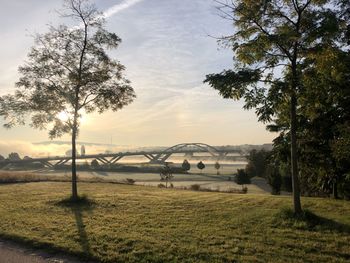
x=294, y=160
x=74, y=167
x=335, y=190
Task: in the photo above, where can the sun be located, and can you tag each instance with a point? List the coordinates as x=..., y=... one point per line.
x=63, y=116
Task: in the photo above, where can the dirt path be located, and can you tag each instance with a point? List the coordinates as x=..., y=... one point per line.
x=13, y=253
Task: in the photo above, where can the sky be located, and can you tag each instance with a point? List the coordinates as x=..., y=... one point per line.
x=167, y=48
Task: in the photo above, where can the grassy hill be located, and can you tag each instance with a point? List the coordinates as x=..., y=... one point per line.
x=145, y=224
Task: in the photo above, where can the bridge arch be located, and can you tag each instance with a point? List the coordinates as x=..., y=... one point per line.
x=201, y=146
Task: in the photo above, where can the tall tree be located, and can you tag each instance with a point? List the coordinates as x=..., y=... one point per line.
x=272, y=38
x=69, y=72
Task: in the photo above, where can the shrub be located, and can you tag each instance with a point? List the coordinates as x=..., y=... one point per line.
x=130, y=181
x=195, y=187
x=242, y=177
x=161, y=186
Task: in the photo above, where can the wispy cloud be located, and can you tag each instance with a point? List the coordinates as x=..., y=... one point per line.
x=119, y=7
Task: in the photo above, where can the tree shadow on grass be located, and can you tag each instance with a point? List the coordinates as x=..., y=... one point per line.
x=309, y=221
x=78, y=208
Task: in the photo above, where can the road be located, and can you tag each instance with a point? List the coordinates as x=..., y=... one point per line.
x=14, y=253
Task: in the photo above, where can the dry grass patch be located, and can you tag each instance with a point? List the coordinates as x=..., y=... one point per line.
x=145, y=224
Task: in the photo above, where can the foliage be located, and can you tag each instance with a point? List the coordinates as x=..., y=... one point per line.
x=277, y=46
x=200, y=165
x=257, y=163
x=242, y=177
x=186, y=166
x=14, y=156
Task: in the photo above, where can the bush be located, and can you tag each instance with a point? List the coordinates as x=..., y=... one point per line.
x=195, y=187
x=161, y=186
x=242, y=177
x=130, y=181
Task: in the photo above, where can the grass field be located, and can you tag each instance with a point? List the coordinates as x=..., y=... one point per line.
x=128, y=223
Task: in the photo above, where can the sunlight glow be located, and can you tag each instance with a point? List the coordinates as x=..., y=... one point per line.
x=63, y=116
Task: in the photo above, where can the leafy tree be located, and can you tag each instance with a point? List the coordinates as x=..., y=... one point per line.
x=200, y=165
x=272, y=39
x=186, y=166
x=242, y=177
x=69, y=72
x=166, y=174
x=14, y=157
x=257, y=163
x=217, y=167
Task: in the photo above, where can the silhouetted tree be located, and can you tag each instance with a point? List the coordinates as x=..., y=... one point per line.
x=274, y=36
x=166, y=174
x=217, y=167
x=201, y=166
x=82, y=150
x=69, y=71
x=14, y=157
x=257, y=163
x=186, y=166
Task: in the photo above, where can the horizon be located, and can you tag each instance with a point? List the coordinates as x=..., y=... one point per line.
x=59, y=148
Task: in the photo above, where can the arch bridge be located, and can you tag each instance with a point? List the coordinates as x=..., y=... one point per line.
x=156, y=156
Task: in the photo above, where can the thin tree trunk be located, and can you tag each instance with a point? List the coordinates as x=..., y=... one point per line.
x=294, y=160
x=74, y=167
x=335, y=190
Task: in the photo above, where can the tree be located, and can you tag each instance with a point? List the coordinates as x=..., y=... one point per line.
x=257, y=163
x=200, y=165
x=272, y=40
x=166, y=174
x=69, y=73
x=217, y=167
x=82, y=150
x=14, y=156
x=186, y=166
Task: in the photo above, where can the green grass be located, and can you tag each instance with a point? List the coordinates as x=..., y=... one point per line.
x=124, y=223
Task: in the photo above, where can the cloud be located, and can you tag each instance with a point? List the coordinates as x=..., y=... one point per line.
x=119, y=7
